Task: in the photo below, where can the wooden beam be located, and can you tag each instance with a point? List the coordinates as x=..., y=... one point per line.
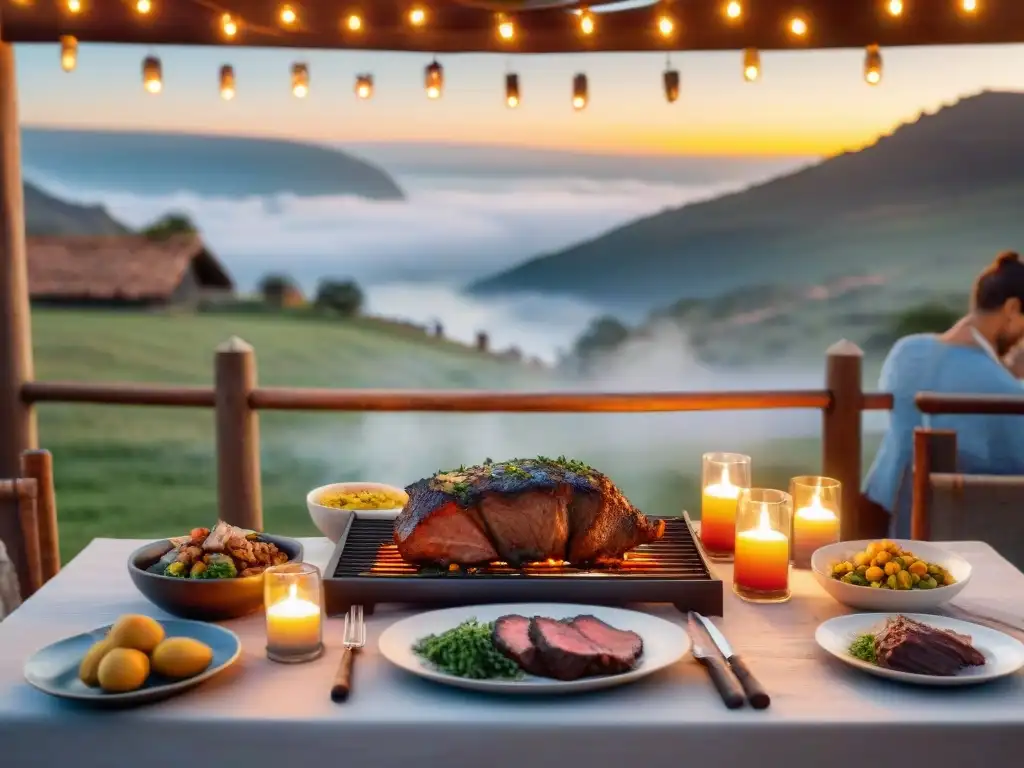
x=17, y=418
x=239, y=490
x=1002, y=405
x=841, y=430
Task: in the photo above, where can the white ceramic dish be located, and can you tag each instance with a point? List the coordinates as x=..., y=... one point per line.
x=889, y=600
x=331, y=521
x=1003, y=655
x=664, y=644
x=54, y=669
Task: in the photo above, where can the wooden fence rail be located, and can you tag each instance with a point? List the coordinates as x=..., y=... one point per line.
x=932, y=403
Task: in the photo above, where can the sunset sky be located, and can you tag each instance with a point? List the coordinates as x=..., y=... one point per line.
x=808, y=102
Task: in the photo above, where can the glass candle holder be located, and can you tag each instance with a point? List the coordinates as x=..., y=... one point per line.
x=761, y=560
x=292, y=598
x=816, y=502
x=723, y=476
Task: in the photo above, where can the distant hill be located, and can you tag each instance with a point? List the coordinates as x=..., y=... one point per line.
x=47, y=215
x=930, y=202
x=222, y=166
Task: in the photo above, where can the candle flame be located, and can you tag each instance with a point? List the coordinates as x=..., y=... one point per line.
x=765, y=524
x=815, y=510
x=293, y=592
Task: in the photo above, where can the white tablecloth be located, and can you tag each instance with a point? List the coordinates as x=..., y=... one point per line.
x=265, y=714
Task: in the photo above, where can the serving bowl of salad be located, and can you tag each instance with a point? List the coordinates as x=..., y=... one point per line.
x=212, y=574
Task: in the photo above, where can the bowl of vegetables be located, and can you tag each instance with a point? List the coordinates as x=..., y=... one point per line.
x=331, y=506
x=212, y=574
x=890, y=575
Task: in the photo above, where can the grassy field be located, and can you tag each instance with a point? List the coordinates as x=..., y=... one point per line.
x=150, y=472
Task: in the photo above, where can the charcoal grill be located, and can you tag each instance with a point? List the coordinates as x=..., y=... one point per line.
x=366, y=569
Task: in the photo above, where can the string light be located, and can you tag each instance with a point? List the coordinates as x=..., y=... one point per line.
x=364, y=86
x=152, y=75
x=433, y=80
x=300, y=80
x=666, y=25
x=417, y=16
x=671, y=81
x=751, y=65
x=873, y=65
x=68, y=53
x=512, y=90
x=354, y=22
x=287, y=15
x=587, y=23
x=733, y=10
x=227, y=82
x=143, y=7
x=228, y=26
x=74, y=6
x=506, y=28
x=579, y=92
x=894, y=7
x=969, y=6
x=798, y=26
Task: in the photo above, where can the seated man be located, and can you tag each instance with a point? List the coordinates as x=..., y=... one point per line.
x=980, y=355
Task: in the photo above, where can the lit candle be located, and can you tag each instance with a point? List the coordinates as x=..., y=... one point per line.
x=816, y=520
x=761, y=562
x=719, y=498
x=294, y=625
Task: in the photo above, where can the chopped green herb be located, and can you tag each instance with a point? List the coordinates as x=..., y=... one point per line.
x=863, y=648
x=467, y=651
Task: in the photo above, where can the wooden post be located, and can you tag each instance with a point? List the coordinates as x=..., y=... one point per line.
x=17, y=419
x=841, y=430
x=934, y=451
x=38, y=465
x=238, y=436
x=25, y=491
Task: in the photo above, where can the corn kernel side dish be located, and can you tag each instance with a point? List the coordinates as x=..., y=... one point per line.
x=365, y=499
x=885, y=565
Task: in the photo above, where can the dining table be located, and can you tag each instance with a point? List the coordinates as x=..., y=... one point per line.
x=261, y=713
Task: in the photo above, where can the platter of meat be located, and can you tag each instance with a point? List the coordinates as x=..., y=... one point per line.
x=534, y=648
x=921, y=649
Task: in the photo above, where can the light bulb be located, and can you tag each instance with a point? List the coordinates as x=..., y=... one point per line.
x=751, y=64
x=733, y=10
x=873, y=65
x=143, y=6
x=798, y=26
x=512, y=90
x=227, y=82
x=228, y=25
x=506, y=30
x=152, y=75
x=969, y=6
x=68, y=53
x=417, y=17
x=300, y=81
x=354, y=22
x=587, y=23
x=364, y=86
x=74, y=6
x=895, y=7
x=287, y=15
x=666, y=25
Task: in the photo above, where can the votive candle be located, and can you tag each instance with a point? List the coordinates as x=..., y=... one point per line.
x=292, y=598
x=723, y=476
x=761, y=560
x=817, y=501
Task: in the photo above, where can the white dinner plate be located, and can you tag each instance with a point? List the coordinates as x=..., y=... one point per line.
x=664, y=644
x=1003, y=654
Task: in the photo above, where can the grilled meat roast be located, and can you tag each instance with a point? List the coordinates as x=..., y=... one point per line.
x=520, y=511
x=567, y=650
x=910, y=646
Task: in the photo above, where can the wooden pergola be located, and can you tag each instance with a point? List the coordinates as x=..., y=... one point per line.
x=434, y=27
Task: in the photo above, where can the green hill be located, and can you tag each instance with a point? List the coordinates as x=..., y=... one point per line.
x=928, y=203
x=207, y=166
x=48, y=215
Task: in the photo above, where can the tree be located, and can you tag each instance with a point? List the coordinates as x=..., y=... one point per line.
x=344, y=297
x=930, y=317
x=169, y=225
x=605, y=334
x=276, y=289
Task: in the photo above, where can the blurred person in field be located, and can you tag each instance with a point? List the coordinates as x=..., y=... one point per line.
x=983, y=354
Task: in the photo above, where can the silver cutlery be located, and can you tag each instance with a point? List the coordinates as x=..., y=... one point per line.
x=756, y=694
x=353, y=639
x=728, y=686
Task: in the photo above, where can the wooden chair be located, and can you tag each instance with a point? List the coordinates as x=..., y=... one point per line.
x=949, y=506
x=33, y=500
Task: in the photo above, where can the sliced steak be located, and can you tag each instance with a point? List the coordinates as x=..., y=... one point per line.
x=512, y=638
x=625, y=646
x=910, y=646
x=568, y=654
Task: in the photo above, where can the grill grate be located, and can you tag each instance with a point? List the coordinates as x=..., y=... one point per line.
x=367, y=569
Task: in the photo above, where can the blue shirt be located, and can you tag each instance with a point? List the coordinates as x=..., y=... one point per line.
x=988, y=445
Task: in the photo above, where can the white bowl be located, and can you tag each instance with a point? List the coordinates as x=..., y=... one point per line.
x=890, y=600
x=332, y=521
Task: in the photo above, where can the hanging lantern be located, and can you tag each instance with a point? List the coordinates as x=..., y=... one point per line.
x=751, y=65
x=671, y=80
x=873, y=65
x=227, y=82
x=579, y=92
x=228, y=26
x=300, y=80
x=364, y=86
x=433, y=80
x=506, y=28
x=152, y=75
x=68, y=53
x=512, y=90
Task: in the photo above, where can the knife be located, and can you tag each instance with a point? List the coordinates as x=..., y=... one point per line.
x=757, y=695
x=728, y=687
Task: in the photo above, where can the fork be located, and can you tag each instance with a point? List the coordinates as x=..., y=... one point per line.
x=353, y=639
